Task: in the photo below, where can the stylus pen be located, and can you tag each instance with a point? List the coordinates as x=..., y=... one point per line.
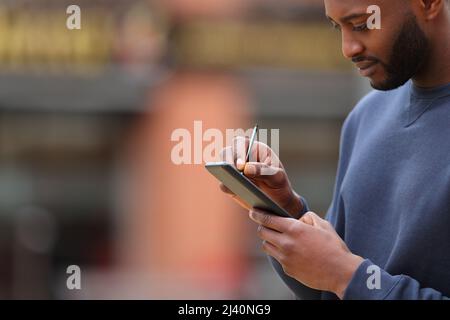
x=252, y=139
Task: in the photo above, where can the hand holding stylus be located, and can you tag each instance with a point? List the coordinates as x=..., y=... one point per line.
x=261, y=165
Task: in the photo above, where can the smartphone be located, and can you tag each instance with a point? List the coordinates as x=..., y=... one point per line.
x=244, y=188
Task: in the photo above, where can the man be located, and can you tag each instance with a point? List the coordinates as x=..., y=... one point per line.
x=387, y=231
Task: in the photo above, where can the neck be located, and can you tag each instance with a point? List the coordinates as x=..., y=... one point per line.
x=436, y=71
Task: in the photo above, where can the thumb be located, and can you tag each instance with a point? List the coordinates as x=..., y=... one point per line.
x=274, y=177
x=313, y=220
x=307, y=218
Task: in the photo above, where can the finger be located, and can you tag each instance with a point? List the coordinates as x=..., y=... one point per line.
x=269, y=235
x=272, y=250
x=272, y=176
x=313, y=219
x=260, y=151
x=240, y=145
x=271, y=221
x=306, y=218
x=223, y=188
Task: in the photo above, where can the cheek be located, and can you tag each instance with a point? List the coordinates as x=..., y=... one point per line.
x=382, y=41
x=379, y=45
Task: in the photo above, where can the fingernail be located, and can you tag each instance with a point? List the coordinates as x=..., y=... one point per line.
x=250, y=169
x=240, y=163
x=254, y=214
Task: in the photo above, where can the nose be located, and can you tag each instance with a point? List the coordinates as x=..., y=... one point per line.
x=351, y=47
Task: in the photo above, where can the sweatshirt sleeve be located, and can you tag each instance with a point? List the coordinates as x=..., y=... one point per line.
x=300, y=291
x=305, y=206
x=364, y=285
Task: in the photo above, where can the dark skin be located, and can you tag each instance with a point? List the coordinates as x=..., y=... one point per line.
x=308, y=248
x=436, y=24
x=432, y=17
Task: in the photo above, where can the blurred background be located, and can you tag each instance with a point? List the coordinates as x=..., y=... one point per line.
x=86, y=118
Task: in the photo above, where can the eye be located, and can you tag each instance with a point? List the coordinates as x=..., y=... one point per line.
x=336, y=26
x=360, y=28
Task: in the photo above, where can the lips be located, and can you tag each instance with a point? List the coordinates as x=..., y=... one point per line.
x=367, y=67
x=365, y=64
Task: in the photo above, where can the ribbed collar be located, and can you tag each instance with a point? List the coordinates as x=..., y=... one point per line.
x=430, y=93
x=422, y=99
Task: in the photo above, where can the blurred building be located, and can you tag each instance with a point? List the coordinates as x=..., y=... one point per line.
x=85, y=123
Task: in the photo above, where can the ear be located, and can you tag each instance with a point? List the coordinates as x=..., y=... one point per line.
x=431, y=8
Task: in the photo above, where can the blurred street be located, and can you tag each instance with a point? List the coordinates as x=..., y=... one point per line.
x=86, y=118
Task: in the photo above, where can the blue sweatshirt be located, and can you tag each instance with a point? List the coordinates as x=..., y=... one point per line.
x=391, y=202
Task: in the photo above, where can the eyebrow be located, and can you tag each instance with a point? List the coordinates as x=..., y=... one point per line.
x=349, y=17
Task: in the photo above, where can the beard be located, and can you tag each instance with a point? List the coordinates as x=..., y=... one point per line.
x=409, y=54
